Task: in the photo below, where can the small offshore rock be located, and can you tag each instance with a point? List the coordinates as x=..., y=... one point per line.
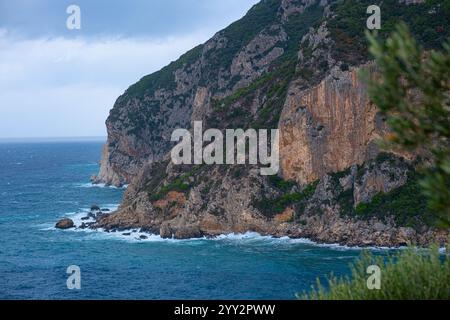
x=65, y=223
x=95, y=207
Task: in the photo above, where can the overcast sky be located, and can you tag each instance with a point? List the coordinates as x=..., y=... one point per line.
x=56, y=82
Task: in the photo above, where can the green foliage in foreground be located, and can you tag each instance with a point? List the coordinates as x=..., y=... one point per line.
x=406, y=275
x=413, y=92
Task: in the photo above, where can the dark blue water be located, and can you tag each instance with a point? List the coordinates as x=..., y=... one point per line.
x=42, y=182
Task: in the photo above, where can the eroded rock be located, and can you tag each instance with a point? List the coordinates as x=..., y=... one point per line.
x=65, y=223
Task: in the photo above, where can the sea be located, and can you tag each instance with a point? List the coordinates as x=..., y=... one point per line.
x=42, y=181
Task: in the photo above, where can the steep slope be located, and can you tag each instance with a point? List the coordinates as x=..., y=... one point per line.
x=288, y=64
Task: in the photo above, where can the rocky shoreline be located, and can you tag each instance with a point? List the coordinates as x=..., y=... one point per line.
x=342, y=232
x=326, y=211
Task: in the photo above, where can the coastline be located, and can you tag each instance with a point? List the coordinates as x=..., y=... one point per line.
x=87, y=222
x=134, y=235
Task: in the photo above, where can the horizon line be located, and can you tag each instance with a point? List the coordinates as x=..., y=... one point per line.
x=60, y=138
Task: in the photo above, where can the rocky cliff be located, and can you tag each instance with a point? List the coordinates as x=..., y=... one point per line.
x=291, y=65
x=329, y=127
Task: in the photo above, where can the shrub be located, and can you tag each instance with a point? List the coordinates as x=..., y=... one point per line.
x=405, y=275
x=406, y=204
x=271, y=207
x=412, y=92
x=280, y=183
x=180, y=184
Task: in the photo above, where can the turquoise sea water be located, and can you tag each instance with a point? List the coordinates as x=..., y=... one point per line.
x=43, y=182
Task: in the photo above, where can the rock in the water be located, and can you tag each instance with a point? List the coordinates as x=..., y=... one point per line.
x=95, y=207
x=65, y=223
x=126, y=234
x=85, y=218
x=105, y=210
x=142, y=237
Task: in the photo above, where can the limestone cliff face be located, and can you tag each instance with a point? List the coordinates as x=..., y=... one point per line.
x=107, y=173
x=329, y=127
x=281, y=66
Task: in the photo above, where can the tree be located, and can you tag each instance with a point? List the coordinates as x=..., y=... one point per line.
x=412, y=89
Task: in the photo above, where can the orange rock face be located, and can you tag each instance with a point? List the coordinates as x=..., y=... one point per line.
x=328, y=128
x=172, y=198
x=286, y=216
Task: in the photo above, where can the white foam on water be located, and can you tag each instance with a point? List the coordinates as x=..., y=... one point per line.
x=254, y=236
x=99, y=185
x=46, y=227
x=136, y=236
x=337, y=246
x=111, y=207
x=128, y=236
x=76, y=217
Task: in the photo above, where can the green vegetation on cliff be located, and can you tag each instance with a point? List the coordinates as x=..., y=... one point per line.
x=181, y=183
x=240, y=33
x=406, y=204
x=428, y=22
x=274, y=84
x=271, y=207
x=164, y=78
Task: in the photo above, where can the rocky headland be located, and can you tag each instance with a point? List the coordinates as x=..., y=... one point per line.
x=293, y=65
